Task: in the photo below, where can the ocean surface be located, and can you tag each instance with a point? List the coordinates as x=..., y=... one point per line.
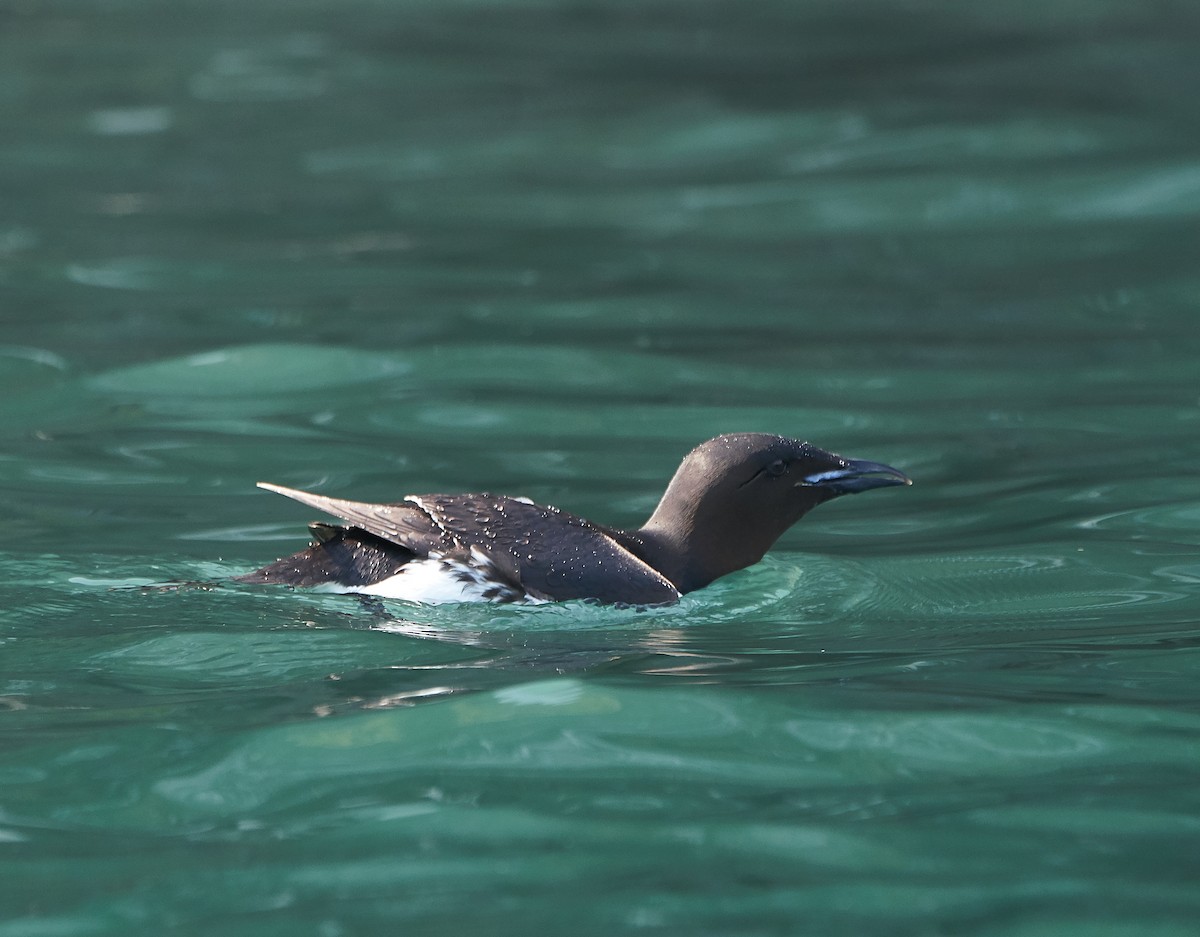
x=544, y=248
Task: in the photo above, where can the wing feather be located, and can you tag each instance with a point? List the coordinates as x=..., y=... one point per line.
x=404, y=523
x=549, y=553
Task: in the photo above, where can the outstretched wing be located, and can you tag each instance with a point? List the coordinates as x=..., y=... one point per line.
x=404, y=523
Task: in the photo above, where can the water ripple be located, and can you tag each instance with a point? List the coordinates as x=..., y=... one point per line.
x=1173, y=518
x=279, y=70
x=252, y=370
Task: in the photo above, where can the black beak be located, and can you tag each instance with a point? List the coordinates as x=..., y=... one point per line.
x=857, y=475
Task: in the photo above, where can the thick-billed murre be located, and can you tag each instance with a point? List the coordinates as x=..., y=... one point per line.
x=730, y=499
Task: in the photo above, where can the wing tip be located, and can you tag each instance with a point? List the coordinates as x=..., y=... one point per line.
x=321, y=502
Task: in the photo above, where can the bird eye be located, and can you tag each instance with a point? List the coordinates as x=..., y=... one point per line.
x=777, y=468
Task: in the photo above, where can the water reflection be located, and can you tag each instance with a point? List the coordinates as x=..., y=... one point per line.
x=272, y=70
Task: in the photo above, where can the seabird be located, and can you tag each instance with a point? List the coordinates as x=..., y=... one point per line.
x=730, y=499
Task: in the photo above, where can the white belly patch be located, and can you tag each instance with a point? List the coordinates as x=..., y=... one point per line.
x=436, y=580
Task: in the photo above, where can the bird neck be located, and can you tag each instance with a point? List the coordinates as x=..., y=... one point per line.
x=676, y=554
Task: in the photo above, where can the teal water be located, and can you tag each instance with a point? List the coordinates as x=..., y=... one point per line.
x=544, y=248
